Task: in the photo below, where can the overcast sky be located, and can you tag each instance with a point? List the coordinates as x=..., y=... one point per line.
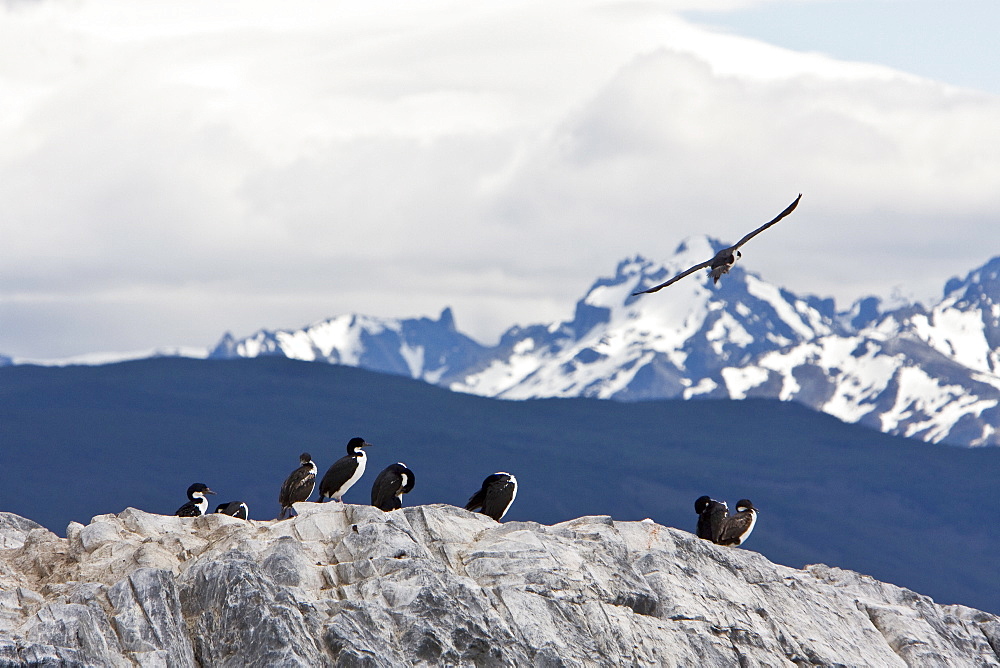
x=173, y=170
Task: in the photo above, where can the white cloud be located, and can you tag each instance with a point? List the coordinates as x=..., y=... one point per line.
x=237, y=165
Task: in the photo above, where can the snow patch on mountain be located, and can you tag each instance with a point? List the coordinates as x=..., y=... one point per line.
x=958, y=334
x=790, y=313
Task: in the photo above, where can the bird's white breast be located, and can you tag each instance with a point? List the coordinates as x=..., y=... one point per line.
x=362, y=460
x=201, y=502
x=513, y=495
x=753, y=521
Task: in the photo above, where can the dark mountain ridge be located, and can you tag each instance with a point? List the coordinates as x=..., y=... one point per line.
x=82, y=441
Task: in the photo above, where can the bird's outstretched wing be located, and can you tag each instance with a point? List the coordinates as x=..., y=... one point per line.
x=703, y=265
x=708, y=263
x=788, y=210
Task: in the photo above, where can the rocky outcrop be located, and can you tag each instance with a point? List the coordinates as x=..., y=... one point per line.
x=435, y=585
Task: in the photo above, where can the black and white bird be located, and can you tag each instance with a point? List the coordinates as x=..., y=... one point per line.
x=495, y=496
x=344, y=472
x=390, y=485
x=234, y=508
x=725, y=258
x=711, y=515
x=197, y=504
x=298, y=486
x=736, y=528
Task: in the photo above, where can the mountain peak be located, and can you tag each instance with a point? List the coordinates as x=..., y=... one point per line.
x=225, y=348
x=700, y=245
x=447, y=319
x=691, y=251
x=982, y=281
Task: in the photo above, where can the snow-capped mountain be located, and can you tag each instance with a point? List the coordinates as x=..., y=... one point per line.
x=431, y=350
x=932, y=374
x=675, y=344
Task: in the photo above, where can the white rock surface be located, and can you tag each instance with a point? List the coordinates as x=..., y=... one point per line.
x=435, y=585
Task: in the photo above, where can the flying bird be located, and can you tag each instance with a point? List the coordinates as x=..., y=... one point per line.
x=390, y=485
x=344, y=472
x=298, y=486
x=197, y=504
x=736, y=528
x=495, y=496
x=725, y=258
x=235, y=509
x=711, y=515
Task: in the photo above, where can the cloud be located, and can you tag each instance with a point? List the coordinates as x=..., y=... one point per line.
x=242, y=165
x=669, y=146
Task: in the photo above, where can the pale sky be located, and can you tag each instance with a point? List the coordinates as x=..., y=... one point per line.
x=170, y=171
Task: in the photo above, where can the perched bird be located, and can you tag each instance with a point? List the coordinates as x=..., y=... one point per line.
x=390, y=485
x=711, y=515
x=234, y=508
x=298, y=486
x=345, y=471
x=736, y=528
x=197, y=504
x=725, y=258
x=495, y=496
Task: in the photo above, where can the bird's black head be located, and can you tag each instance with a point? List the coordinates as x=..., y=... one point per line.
x=355, y=444
x=305, y=458
x=498, y=476
x=198, y=488
x=744, y=504
x=738, y=255
x=701, y=503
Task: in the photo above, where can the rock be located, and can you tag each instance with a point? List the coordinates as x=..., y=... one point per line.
x=241, y=617
x=14, y=530
x=70, y=633
x=146, y=614
x=345, y=585
x=99, y=533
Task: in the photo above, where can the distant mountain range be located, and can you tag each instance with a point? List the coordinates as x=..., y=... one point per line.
x=931, y=373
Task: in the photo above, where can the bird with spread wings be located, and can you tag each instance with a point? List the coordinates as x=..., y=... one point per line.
x=725, y=258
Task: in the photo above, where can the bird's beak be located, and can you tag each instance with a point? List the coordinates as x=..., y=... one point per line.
x=208, y=491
